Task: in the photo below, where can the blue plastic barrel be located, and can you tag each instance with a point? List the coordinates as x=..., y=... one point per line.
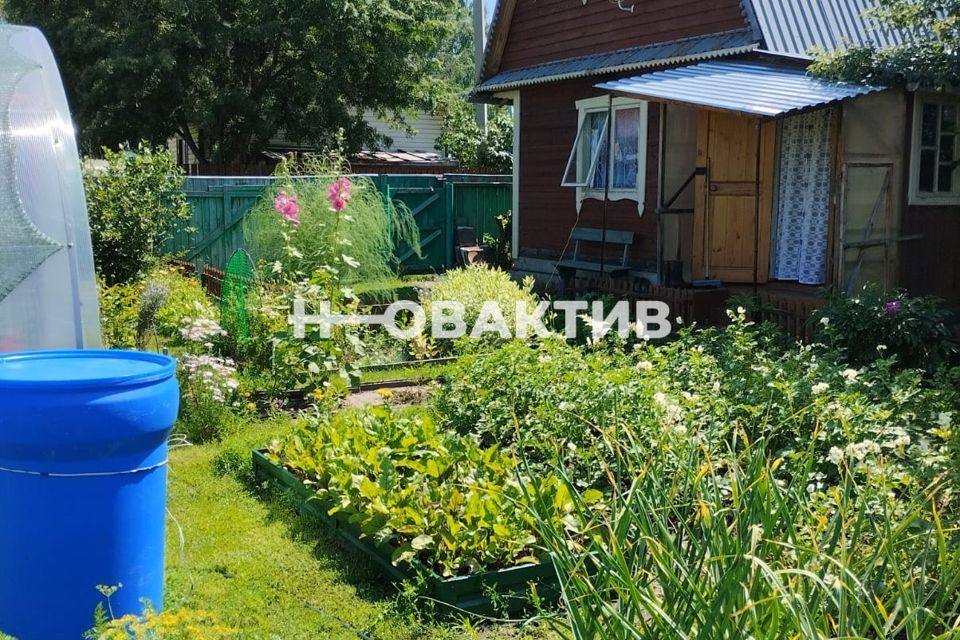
x=83, y=455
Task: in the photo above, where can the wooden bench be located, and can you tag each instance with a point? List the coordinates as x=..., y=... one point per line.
x=614, y=265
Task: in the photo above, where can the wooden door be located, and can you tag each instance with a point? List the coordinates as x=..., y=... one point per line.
x=726, y=244
x=867, y=229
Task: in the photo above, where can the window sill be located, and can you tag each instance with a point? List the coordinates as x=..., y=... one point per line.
x=615, y=194
x=934, y=201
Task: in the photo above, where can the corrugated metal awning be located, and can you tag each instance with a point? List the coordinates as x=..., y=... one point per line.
x=752, y=88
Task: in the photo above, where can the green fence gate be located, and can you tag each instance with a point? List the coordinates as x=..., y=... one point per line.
x=439, y=204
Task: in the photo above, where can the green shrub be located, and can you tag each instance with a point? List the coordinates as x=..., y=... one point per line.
x=134, y=204
x=752, y=489
x=551, y=398
x=501, y=243
x=472, y=287
x=429, y=494
x=464, y=140
x=386, y=291
x=872, y=325
x=209, y=396
x=184, y=299
x=119, y=313
x=162, y=303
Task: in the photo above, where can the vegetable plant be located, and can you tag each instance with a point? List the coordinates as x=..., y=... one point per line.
x=431, y=495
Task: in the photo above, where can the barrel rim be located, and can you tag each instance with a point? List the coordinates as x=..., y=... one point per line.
x=166, y=368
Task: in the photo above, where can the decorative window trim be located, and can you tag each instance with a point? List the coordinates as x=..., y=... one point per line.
x=926, y=198
x=601, y=104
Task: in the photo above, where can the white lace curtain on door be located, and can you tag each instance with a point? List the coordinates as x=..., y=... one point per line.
x=800, y=247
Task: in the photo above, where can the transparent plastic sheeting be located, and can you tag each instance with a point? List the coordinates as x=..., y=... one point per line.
x=48, y=294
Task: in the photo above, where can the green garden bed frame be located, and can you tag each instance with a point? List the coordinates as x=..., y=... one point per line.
x=490, y=593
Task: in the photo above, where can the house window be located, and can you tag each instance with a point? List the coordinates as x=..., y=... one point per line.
x=592, y=162
x=935, y=165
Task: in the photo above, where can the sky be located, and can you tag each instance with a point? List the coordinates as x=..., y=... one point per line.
x=489, y=5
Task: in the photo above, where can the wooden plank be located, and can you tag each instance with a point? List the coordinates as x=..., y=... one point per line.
x=549, y=30
x=589, y=234
x=727, y=233
x=701, y=202
x=499, y=37
x=423, y=206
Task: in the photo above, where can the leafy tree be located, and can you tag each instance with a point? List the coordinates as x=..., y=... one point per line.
x=929, y=56
x=228, y=75
x=452, y=78
x=133, y=203
x=463, y=139
x=451, y=69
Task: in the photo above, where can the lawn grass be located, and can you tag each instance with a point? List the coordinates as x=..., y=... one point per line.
x=242, y=553
x=390, y=290
x=413, y=372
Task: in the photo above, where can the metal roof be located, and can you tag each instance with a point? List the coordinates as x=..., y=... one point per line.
x=673, y=52
x=753, y=88
x=794, y=27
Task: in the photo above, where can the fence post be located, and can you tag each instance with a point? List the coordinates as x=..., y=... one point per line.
x=449, y=233
x=384, y=187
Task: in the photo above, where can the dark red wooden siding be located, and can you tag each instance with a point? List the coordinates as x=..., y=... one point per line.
x=548, y=121
x=547, y=30
x=931, y=265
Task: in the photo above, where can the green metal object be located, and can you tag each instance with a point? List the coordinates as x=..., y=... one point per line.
x=240, y=293
x=440, y=204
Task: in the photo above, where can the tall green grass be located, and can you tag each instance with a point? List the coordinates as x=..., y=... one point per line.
x=733, y=546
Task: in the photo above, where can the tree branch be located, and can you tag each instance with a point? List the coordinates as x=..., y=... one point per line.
x=184, y=132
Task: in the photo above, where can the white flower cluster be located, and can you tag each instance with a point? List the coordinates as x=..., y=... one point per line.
x=850, y=375
x=857, y=451
x=201, y=331
x=673, y=414
x=819, y=388
x=216, y=376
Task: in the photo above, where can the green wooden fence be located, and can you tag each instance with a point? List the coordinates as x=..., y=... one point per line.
x=439, y=204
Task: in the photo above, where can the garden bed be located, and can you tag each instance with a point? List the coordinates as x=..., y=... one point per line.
x=493, y=592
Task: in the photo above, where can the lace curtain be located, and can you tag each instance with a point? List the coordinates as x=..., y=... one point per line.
x=800, y=246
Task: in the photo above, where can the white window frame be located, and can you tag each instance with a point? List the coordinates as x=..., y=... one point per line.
x=602, y=104
x=918, y=197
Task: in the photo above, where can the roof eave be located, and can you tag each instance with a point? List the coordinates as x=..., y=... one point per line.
x=586, y=73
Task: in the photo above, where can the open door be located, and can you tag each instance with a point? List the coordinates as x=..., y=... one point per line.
x=729, y=240
x=867, y=230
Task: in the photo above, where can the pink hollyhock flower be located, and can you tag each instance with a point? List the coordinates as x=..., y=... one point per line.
x=288, y=207
x=338, y=194
x=345, y=186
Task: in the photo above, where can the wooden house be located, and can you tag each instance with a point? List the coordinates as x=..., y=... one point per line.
x=690, y=132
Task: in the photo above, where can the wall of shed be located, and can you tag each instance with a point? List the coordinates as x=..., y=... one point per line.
x=872, y=133
x=546, y=30
x=931, y=265
x=547, y=211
